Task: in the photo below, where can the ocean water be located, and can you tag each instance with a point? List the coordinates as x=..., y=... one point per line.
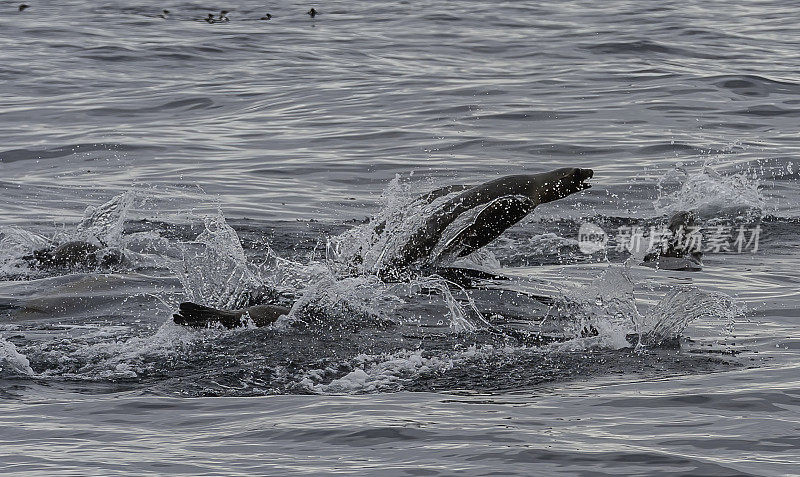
x=242, y=162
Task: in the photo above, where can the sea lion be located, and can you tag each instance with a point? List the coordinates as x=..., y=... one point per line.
x=74, y=254
x=199, y=316
x=507, y=200
x=677, y=254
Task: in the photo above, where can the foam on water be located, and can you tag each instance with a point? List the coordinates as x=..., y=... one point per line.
x=376, y=373
x=114, y=358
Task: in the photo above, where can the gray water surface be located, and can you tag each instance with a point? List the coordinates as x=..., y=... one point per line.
x=292, y=130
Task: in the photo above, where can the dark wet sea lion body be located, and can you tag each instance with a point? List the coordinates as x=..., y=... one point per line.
x=676, y=255
x=507, y=200
x=75, y=254
x=199, y=316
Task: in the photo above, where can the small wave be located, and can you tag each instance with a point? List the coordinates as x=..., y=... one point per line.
x=442, y=17
x=111, y=54
x=754, y=86
x=636, y=46
x=13, y=155
x=188, y=104
x=645, y=47
x=677, y=147
x=533, y=115
x=767, y=110
x=566, y=150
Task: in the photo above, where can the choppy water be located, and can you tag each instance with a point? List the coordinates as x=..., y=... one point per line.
x=232, y=157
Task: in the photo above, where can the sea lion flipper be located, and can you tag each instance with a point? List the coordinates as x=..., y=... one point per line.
x=467, y=277
x=200, y=316
x=509, y=199
x=490, y=222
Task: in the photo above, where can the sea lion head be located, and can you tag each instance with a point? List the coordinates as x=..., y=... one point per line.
x=562, y=182
x=682, y=219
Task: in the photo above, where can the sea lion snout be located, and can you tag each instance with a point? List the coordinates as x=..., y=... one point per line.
x=580, y=176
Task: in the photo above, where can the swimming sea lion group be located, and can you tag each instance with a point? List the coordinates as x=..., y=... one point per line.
x=492, y=206
x=505, y=202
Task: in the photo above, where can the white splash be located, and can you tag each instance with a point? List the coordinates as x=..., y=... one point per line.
x=16, y=243
x=606, y=311
x=214, y=270
x=462, y=318
x=368, y=248
x=681, y=306
x=710, y=194
x=346, y=301
x=13, y=360
x=105, y=223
